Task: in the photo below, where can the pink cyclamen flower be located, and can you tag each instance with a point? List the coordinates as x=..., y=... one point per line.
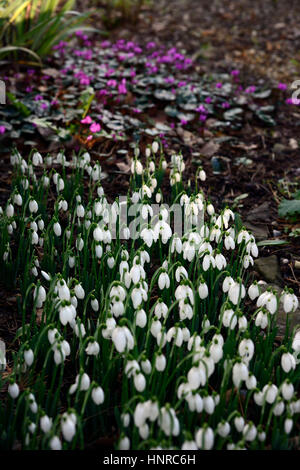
x=2, y=129
x=86, y=120
x=235, y=73
x=219, y=85
x=282, y=86
x=95, y=127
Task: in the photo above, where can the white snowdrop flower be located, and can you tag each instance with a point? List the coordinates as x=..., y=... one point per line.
x=209, y=404
x=197, y=377
x=181, y=273
x=160, y=310
x=229, y=242
x=98, y=395
x=32, y=403
x=33, y=206
x=10, y=210
x=131, y=368
x=110, y=262
x=163, y=281
x=220, y=261
x=251, y=382
x=119, y=339
x=223, y=429
x=268, y=300
x=55, y=443
x=202, y=175
x=288, y=362
x=141, y=318
x=160, y=363
x=125, y=418
x=155, y=146
x=247, y=261
x=249, y=432
x=68, y=427
x=216, y=352
x=236, y=292
x=18, y=199
x=246, y=350
x=140, y=414
x=203, y=290
x=239, y=373
x=239, y=423
x=189, y=445
x=155, y=327
x=176, y=245
x=37, y=159
x=66, y=314
x=136, y=167
x=229, y=319
x=243, y=235
x=13, y=390
x=287, y=390
x=270, y=393
x=290, y=302
x=205, y=438
x=34, y=238
x=80, y=211
x=45, y=423
x=98, y=251
x=79, y=291
x=45, y=275
x=259, y=398
x=261, y=319
x=79, y=243
x=227, y=283
x=144, y=431
x=124, y=443
x=92, y=348
x=296, y=342
x=208, y=260
x=253, y=291
x=28, y=357
x=168, y=421
x=288, y=425
x=32, y=427
x=139, y=382
x=57, y=229
x=242, y=323
x=278, y=408
x=146, y=366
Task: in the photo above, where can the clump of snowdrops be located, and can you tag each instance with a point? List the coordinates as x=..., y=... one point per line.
x=157, y=341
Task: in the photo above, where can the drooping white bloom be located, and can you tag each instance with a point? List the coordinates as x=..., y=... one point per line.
x=46, y=423
x=55, y=443
x=98, y=395
x=13, y=390
x=288, y=362
x=28, y=357
x=205, y=438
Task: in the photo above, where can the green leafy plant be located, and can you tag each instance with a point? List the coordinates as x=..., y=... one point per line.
x=35, y=26
x=290, y=208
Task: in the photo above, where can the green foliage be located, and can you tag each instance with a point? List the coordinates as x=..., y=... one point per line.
x=35, y=26
x=290, y=208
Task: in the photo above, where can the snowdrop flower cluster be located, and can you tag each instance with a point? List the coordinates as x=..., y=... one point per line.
x=171, y=332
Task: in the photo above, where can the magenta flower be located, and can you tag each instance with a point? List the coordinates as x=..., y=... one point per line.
x=235, y=73
x=282, y=86
x=250, y=89
x=95, y=127
x=122, y=87
x=208, y=100
x=86, y=120
x=2, y=129
x=219, y=85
